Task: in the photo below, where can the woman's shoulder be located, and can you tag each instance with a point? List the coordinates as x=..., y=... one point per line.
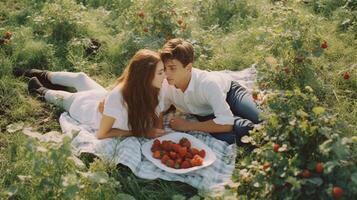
x=115, y=96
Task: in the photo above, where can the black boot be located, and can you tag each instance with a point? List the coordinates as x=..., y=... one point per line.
x=41, y=75
x=36, y=88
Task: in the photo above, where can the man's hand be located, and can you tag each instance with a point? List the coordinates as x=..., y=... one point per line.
x=101, y=106
x=155, y=132
x=179, y=124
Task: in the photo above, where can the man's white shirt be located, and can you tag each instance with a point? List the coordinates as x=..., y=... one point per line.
x=205, y=95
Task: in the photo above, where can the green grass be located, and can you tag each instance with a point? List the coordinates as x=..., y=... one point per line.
x=54, y=36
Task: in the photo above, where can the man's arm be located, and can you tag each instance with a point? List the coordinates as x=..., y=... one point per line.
x=206, y=126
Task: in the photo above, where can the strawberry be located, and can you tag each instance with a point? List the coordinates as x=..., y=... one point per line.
x=8, y=35
x=157, y=142
x=155, y=148
x=324, y=45
x=182, y=141
x=178, y=160
x=185, y=164
x=287, y=70
x=189, y=155
x=306, y=173
x=173, y=154
x=185, y=143
x=255, y=95
x=266, y=166
x=170, y=163
x=337, y=192
x=175, y=147
x=194, y=151
x=145, y=30
x=164, y=159
x=179, y=21
x=183, y=26
x=165, y=145
x=183, y=151
x=276, y=147
x=202, y=153
x=196, y=161
x=157, y=155
x=141, y=14
x=346, y=75
x=319, y=168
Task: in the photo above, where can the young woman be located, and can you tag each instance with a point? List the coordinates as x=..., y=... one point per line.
x=132, y=108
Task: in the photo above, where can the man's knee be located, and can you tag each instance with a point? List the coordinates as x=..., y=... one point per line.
x=242, y=127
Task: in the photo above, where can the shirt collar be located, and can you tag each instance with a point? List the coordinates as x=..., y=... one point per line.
x=191, y=85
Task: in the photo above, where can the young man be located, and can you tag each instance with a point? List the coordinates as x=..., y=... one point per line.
x=222, y=106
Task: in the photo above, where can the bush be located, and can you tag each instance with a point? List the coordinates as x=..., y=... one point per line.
x=301, y=154
x=223, y=13
x=49, y=171
x=34, y=54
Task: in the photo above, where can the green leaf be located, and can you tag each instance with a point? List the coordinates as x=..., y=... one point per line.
x=316, y=181
x=125, y=196
x=196, y=197
x=354, y=177
x=98, y=177
x=178, y=197
x=294, y=182
x=318, y=110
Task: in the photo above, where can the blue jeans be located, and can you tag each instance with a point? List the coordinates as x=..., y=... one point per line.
x=245, y=112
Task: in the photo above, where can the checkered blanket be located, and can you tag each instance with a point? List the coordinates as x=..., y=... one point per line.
x=127, y=151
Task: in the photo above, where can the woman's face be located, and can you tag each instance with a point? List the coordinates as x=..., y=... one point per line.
x=159, y=75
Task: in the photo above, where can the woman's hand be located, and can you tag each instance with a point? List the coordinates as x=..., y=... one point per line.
x=155, y=132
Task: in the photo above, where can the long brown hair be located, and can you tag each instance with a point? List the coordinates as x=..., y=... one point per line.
x=140, y=96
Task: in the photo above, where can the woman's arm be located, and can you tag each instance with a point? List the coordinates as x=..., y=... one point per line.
x=106, y=130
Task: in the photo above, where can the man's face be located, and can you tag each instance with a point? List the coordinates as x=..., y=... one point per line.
x=176, y=73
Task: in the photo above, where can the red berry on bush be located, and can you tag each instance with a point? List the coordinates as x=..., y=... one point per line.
x=179, y=21
x=324, y=45
x=287, y=70
x=255, y=95
x=141, y=14
x=319, y=168
x=146, y=30
x=8, y=35
x=276, y=147
x=337, y=192
x=266, y=166
x=183, y=26
x=306, y=173
x=346, y=75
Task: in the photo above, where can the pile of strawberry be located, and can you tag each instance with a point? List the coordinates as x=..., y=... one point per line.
x=177, y=155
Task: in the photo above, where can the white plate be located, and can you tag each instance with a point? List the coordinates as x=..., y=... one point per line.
x=175, y=137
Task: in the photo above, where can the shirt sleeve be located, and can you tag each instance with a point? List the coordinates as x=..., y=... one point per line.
x=113, y=104
x=217, y=99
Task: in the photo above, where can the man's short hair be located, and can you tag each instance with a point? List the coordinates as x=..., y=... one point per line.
x=177, y=49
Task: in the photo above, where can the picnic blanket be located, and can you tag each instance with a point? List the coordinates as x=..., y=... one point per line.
x=127, y=151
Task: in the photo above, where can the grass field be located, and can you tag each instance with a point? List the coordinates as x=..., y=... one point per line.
x=306, y=56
